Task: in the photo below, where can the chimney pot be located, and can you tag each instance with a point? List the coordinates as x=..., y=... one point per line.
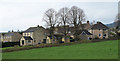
x=98, y=22
x=38, y=26
x=88, y=22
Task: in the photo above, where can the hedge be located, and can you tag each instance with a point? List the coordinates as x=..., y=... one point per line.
x=9, y=44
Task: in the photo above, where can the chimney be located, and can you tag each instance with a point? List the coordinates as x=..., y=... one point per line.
x=12, y=31
x=38, y=26
x=87, y=22
x=98, y=22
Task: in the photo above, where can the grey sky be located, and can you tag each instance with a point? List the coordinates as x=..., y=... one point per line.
x=22, y=14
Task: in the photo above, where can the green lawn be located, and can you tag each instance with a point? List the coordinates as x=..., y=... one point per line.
x=98, y=50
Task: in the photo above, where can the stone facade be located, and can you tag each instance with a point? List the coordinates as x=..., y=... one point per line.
x=56, y=38
x=10, y=37
x=34, y=34
x=99, y=30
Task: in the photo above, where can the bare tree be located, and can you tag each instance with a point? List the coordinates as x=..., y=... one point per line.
x=77, y=16
x=50, y=17
x=63, y=17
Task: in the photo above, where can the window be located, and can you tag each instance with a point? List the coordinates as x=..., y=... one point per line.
x=104, y=29
x=29, y=41
x=99, y=29
x=24, y=34
x=99, y=35
x=27, y=34
x=44, y=40
x=104, y=35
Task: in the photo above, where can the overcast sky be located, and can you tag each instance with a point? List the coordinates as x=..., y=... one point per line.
x=22, y=14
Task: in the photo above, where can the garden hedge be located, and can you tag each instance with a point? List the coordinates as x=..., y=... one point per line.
x=9, y=44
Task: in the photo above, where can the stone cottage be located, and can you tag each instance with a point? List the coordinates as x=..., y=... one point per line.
x=10, y=37
x=33, y=36
x=85, y=35
x=99, y=30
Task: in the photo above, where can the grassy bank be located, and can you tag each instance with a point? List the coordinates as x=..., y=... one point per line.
x=98, y=50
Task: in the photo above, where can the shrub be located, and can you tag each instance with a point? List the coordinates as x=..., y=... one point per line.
x=96, y=38
x=9, y=44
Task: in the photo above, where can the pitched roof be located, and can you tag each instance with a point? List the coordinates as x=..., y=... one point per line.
x=9, y=34
x=32, y=29
x=85, y=26
x=84, y=32
x=99, y=25
x=27, y=38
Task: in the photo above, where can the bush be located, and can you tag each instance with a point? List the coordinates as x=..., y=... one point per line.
x=96, y=38
x=85, y=41
x=9, y=44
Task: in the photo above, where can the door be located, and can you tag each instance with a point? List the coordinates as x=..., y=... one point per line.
x=22, y=42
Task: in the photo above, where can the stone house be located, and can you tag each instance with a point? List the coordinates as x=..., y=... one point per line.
x=33, y=36
x=10, y=37
x=70, y=30
x=57, y=38
x=99, y=30
x=85, y=35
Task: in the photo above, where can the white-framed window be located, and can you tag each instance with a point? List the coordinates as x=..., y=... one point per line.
x=29, y=41
x=27, y=34
x=24, y=34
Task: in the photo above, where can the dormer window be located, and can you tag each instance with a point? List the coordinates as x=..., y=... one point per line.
x=104, y=29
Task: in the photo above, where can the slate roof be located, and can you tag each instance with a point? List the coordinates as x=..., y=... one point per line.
x=55, y=36
x=9, y=34
x=85, y=26
x=32, y=29
x=84, y=32
x=27, y=38
x=99, y=25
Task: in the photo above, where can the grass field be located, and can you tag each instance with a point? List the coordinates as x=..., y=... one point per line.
x=98, y=50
